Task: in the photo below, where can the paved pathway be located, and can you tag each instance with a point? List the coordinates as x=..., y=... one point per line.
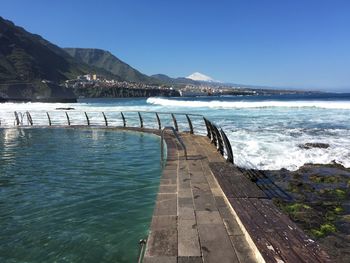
x=192, y=221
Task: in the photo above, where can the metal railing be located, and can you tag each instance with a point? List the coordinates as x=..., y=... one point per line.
x=142, y=244
x=176, y=136
x=140, y=119
x=63, y=117
x=219, y=139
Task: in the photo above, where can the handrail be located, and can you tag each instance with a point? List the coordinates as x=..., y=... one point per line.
x=134, y=111
x=142, y=244
x=86, y=114
x=219, y=139
x=176, y=136
x=214, y=132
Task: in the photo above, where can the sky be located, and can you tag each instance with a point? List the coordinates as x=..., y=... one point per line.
x=278, y=43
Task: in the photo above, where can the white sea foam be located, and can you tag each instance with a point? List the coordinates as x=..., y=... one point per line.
x=270, y=151
x=268, y=138
x=249, y=104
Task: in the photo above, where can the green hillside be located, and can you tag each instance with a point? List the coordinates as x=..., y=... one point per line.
x=26, y=57
x=107, y=61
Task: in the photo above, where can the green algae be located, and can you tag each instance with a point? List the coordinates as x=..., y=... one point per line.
x=325, y=179
x=340, y=193
x=324, y=230
x=338, y=209
x=296, y=207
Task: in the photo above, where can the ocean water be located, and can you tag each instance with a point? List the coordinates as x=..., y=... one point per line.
x=265, y=131
x=75, y=195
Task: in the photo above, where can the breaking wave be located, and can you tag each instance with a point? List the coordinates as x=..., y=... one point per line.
x=249, y=104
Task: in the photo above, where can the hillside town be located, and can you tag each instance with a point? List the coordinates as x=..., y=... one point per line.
x=89, y=81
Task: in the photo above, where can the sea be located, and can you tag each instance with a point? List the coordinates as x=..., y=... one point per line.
x=266, y=132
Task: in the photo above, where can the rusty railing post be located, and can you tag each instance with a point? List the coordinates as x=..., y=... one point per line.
x=141, y=121
x=220, y=144
x=175, y=122
x=228, y=147
x=104, y=116
x=49, y=119
x=189, y=124
x=124, y=121
x=29, y=117
x=87, y=118
x=68, y=120
x=212, y=133
x=158, y=120
x=16, y=118
x=208, y=128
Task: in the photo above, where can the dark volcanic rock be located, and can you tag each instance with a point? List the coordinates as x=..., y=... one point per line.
x=311, y=145
x=320, y=204
x=65, y=108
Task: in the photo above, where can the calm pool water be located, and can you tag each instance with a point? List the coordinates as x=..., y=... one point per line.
x=75, y=195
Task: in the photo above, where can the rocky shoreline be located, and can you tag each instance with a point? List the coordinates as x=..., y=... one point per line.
x=320, y=204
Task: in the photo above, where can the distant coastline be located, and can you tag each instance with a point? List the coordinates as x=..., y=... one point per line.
x=49, y=100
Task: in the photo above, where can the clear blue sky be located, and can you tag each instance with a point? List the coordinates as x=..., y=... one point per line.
x=289, y=43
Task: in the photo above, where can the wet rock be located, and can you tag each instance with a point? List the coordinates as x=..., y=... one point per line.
x=65, y=108
x=311, y=145
x=338, y=247
x=320, y=204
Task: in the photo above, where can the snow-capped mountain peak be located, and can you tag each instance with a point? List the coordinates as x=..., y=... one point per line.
x=200, y=77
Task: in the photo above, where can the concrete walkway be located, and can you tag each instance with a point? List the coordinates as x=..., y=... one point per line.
x=192, y=220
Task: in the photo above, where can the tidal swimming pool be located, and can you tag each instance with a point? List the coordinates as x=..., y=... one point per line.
x=76, y=195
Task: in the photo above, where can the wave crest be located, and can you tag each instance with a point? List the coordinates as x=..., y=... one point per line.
x=250, y=104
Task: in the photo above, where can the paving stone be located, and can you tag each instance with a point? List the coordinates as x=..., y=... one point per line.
x=168, y=181
x=184, y=184
x=197, y=177
x=171, y=189
x=159, y=260
x=159, y=222
x=190, y=260
x=220, y=201
x=185, y=193
x=184, y=175
x=162, y=242
x=188, y=241
x=215, y=244
x=171, y=166
x=203, y=202
x=203, y=187
x=166, y=205
x=182, y=166
x=169, y=174
x=185, y=208
x=208, y=217
x=231, y=224
x=243, y=251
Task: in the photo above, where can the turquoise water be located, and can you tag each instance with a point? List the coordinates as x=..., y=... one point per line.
x=72, y=195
